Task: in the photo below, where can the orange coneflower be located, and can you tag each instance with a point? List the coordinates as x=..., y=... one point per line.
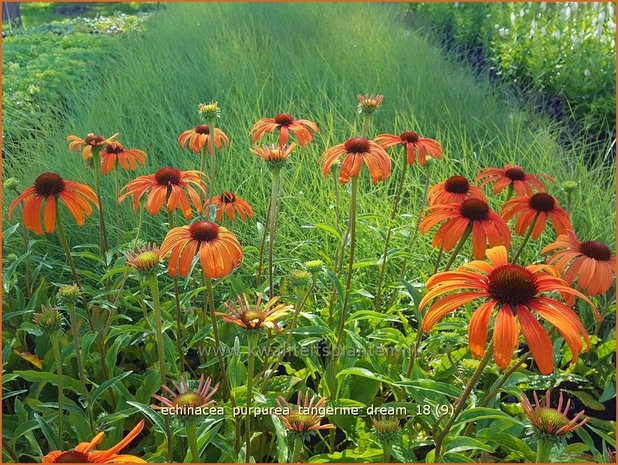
x=273, y=154
x=257, y=316
x=413, y=144
x=513, y=176
x=534, y=210
x=550, y=421
x=198, y=138
x=285, y=123
x=369, y=103
x=591, y=263
x=218, y=249
x=115, y=153
x=514, y=291
x=228, y=203
x=184, y=400
x=455, y=189
x=51, y=188
x=83, y=453
x=90, y=142
x=356, y=151
x=304, y=417
x=167, y=184
x=473, y=216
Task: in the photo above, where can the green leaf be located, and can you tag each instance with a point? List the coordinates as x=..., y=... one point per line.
x=150, y=413
x=464, y=443
x=107, y=384
x=588, y=400
x=282, y=439
x=45, y=377
x=49, y=434
x=484, y=413
x=364, y=373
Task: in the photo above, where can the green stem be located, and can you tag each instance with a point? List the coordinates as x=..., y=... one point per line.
x=461, y=401
x=389, y=233
x=526, y=239
x=117, y=212
x=179, y=324
x=438, y=260
x=210, y=294
x=139, y=222
x=348, y=284
x=297, y=450
x=80, y=366
x=275, y=196
x=251, y=343
x=386, y=448
x=28, y=270
x=156, y=303
x=212, y=151
x=191, y=431
x=458, y=247
x=57, y=358
x=96, y=168
x=337, y=206
x=202, y=160
x=543, y=451
x=258, y=275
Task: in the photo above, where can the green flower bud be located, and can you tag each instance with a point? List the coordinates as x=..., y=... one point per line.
x=314, y=266
x=49, y=320
x=209, y=111
x=569, y=186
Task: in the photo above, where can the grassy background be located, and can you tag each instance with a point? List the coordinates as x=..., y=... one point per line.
x=312, y=61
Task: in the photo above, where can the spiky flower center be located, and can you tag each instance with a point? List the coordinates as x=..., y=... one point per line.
x=596, y=250
x=202, y=129
x=189, y=399
x=474, y=209
x=512, y=284
x=457, y=185
x=94, y=140
x=48, y=184
x=409, y=136
x=228, y=197
x=253, y=318
x=356, y=145
x=302, y=423
x=284, y=119
x=549, y=420
x=73, y=456
x=114, y=148
x=204, y=231
x=542, y=202
x=147, y=259
x=515, y=174
x=167, y=176
x=386, y=425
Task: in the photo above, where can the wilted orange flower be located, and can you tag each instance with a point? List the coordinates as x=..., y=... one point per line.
x=591, y=263
x=514, y=291
x=83, y=453
x=167, y=184
x=455, y=189
x=51, y=188
x=257, y=316
x=357, y=151
x=228, y=203
x=305, y=416
x=115, y=153
x=218, y=249
x=369, y=103
x=413, y=144
x=88, y=143
x=198, y=138
x=285, y=123
x=552, y=421
x=522, y=182
x=472, y=216
x=185, y=399
x=144, y=259
x=273, y=154
x=540, y=206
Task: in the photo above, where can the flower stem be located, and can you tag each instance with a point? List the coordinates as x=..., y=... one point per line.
x=337, y=206
x=251, y=342
x=156, y=303
x=211, y=150
x=191, y=431
x=57, y=358
x=28, y=269
x=96, y=169
x=438, y=260
x=461, y=401
x=386, y=448
x=348, y=284
x=390, y=232
x=117, y=212
x=298, y=448
x=543, y=451
x=458, y=247
x=80, y=366
x=258, y=274
x=179, y=324
x=526, y=239
x=274, y=218
x=210, y=294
